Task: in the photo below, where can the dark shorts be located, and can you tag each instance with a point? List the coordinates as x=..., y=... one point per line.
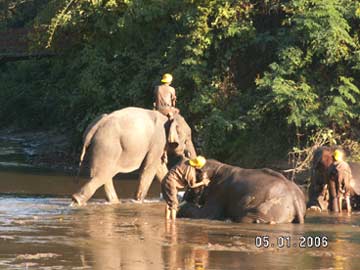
x=169, y=192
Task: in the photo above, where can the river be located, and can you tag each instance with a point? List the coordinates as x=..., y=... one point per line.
x=39, y=230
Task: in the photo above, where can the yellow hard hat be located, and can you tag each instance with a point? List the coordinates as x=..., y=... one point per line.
x=167, y=78
x=198, y=162
x=338, y=155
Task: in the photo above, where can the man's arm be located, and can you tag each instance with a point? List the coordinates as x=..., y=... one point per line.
x=173, y=96
x=204, y=182
x=192, y=181
x=155, y=103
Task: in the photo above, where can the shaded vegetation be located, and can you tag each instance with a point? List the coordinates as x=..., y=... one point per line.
x=253, y=78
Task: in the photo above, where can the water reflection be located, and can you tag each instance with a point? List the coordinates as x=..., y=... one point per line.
x=45, y=233
x=176, y=255
x=117, y=237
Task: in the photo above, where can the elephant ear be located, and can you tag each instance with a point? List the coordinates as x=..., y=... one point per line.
x=173, y=136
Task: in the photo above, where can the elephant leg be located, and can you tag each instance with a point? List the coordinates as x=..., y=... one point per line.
x=335, y=204
x=110, y=192
x=348, y=204
x=146, y=178
x=148, y=171
x=340, y=200
x=85, y=193
x=333, y=196
x=161, y=172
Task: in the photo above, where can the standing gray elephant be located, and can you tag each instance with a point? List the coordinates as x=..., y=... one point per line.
x=126, y=140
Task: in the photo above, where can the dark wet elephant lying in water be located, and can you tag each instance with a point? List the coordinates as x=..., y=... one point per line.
x=246, y=195
x=126, y=140
x=319, y=195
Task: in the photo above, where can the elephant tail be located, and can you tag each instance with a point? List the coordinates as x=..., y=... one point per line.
x=300, y=209
x=89, y=134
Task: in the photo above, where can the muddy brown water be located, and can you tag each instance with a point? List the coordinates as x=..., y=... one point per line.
x=39, y=230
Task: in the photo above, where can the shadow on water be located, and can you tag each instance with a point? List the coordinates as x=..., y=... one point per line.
x=46, y=233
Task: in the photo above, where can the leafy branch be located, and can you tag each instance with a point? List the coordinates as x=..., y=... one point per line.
x=53, y=26
x=300, y=159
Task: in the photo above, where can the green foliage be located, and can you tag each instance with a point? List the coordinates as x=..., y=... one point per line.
x=253, y=78
x=20, y=13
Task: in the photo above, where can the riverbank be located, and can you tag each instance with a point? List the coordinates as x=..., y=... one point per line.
x=52, y=150
x=41, y=149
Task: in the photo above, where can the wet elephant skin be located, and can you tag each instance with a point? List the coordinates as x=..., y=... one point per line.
x=127, y=140
x=246, y=195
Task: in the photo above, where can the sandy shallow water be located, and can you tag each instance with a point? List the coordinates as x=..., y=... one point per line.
x=44, y=232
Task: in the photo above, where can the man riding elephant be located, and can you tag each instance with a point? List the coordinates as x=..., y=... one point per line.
x=245, y=195
x=165, y=97
x=332, y=179
x=126, y=140
x=165, y=101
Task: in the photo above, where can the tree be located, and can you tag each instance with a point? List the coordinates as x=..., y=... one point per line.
x=254, y=78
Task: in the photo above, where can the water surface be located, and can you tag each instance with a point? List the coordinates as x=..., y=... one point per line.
x=43, y=232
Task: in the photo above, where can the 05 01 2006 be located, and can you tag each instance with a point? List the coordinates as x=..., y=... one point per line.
x=266, y=241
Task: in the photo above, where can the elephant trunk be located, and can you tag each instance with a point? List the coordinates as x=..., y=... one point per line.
x=190, y=149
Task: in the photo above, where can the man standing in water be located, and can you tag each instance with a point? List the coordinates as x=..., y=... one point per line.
x=165, y=97
x=180, y=176
x=339, y=184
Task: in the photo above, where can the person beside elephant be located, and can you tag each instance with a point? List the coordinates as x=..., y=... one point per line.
x=165, y=97
x=329, y=180
x=180, y=176
x=244, y=195
x=339, y=181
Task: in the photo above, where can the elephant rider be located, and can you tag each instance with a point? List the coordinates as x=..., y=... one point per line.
x=165, y=97
x=180, y=176
x=165, y=100
x=339, y=181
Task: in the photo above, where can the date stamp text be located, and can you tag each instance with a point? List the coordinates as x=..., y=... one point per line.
x=286, y=241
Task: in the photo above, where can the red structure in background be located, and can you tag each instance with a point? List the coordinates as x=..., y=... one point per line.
x=15, y=45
